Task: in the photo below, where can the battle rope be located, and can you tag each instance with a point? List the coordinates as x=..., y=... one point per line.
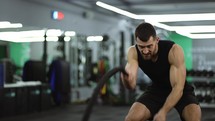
x=101, y=83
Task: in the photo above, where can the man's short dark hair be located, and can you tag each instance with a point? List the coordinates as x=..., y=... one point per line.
x=144, y=31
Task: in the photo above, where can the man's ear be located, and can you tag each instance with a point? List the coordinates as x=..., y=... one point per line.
x=158, y=39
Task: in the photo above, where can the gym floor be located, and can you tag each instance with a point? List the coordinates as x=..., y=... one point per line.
x=74, y=112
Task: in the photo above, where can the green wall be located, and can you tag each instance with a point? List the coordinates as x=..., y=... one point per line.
x=19, y=53
x=186, y=44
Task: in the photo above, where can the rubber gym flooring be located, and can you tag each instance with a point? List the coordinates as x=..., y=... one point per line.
x=74, y=112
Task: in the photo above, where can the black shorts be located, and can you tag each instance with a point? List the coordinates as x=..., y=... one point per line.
x=154, y=101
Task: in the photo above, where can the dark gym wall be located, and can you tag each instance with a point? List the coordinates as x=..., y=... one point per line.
x=37, y=13
x=203, y=54
x=3, y=50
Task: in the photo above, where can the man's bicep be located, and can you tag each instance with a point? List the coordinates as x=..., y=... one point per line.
x=176, y=56
x=132, y=55
x=132, y=62
x=177, y=69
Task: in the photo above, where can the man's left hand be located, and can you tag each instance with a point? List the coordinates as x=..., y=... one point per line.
x=160, y=116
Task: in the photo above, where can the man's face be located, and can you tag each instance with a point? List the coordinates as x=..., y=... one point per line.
x=148, y=49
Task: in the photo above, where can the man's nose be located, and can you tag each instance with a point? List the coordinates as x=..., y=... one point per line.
x=145, y=51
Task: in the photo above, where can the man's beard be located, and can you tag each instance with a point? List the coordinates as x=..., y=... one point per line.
x=147, y=56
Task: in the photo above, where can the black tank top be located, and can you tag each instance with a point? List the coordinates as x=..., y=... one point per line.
x=158, y=71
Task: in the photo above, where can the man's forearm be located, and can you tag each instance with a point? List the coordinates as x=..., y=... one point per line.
x=126, y=84
x=172, y=99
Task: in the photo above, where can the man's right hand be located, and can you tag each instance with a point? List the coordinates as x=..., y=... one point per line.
x=127, y=80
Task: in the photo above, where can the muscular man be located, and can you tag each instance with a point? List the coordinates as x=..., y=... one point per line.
x=163, y=62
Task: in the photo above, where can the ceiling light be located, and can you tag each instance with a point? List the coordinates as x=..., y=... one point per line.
x=156, y=19
x=54, y=32
x=6, y=24
x=178, y=17
x=185, y=29
x=160, y=18
x=195, y=29
x=94, y=38
x=67, y=38
x=117, y=10
x=197, y=36
x=24, y=39
x=55, y=39
x=31, y=33
x=160, y=25
x=23, y=34
x=202, y=36
x=70, y=33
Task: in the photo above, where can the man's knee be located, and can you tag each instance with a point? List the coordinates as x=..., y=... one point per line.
x=138, y=112
x=192, y=112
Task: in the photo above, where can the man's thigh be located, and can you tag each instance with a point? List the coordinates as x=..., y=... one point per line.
x=188, y=107
x=138, y=112
x=153, y=102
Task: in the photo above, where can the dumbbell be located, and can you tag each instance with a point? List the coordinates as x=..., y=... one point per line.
x=210, y=73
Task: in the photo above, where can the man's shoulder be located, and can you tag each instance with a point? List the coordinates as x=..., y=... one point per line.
x=133, y=47
x=132, y=50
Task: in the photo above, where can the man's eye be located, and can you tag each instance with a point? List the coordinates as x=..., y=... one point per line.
x=149, y=46
x=141, y=47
